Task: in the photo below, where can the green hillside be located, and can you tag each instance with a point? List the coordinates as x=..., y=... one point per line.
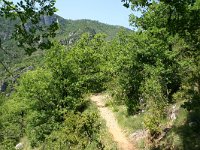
x=68, y=33
x=67, y=27
x=80, y=26
x=129, y=90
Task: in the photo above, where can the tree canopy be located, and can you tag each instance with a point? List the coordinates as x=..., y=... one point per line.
x=30, y=32
x=146, y=71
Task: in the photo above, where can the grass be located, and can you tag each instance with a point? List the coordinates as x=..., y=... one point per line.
x=105, y=136
x=129, y=123
x=173, y=139
x=26, y=143
x=182, y=136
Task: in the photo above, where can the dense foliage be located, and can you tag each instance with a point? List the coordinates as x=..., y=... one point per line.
x=50, y=104
x=147, y=70
x=172, y=28
x=68, y=33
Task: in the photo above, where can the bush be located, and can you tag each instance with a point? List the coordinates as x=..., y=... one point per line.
x=78, y=132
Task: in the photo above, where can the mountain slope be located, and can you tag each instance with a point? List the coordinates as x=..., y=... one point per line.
x=69, y=32
x=67, y=26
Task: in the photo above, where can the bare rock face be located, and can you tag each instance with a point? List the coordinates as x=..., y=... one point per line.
x=19, y=146
x=29, y=68
x=173, y=113
x=138, y=135
x=4, y=86
x=48, y=20
x=9, y=82
x=20, y=71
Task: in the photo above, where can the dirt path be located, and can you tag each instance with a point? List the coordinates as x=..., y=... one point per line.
x=112, y=124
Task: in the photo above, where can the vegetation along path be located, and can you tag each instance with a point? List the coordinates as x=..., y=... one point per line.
x=112, y=124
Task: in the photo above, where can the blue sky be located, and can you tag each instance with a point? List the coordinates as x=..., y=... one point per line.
x=106, y=11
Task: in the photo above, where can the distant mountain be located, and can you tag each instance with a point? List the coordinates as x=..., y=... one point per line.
x=68, y=28
x=69, y=32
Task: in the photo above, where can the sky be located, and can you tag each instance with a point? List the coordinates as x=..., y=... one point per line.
x=106, y=11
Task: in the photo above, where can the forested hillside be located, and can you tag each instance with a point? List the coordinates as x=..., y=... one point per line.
x=69, y=31
x=150, y=76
